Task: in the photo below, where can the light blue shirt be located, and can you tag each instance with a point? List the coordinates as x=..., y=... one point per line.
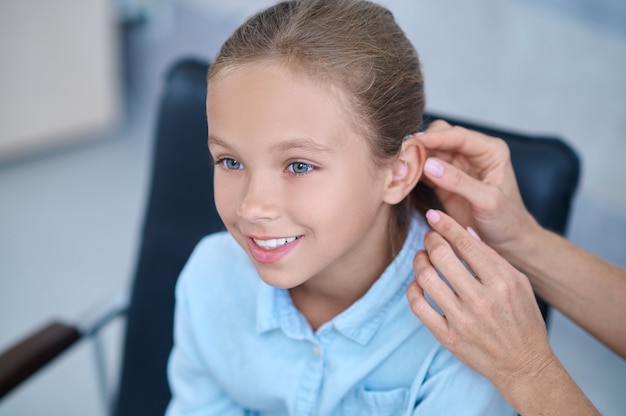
x=242, y=348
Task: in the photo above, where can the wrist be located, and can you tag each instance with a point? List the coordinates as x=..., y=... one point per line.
x=528, y=384
x=547, y=389
x=523, y=249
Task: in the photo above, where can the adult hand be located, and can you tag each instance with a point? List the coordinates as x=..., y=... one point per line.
x=473, y=177
x=491, y=322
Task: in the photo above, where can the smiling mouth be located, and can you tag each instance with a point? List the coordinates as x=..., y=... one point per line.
x=274, y=243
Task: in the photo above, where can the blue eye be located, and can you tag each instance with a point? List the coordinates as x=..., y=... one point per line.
x=300, y=168
x=231, y=164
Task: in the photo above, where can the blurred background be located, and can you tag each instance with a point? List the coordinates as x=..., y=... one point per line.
x=79, y=88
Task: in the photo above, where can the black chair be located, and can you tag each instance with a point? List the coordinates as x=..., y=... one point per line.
x=180, y=210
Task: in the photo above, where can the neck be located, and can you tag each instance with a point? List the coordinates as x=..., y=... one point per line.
x=320, y=302
x=323, y=298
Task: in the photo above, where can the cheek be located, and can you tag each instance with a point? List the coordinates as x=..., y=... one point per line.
x=224, y=196
x=359, y=186
x=340, y=200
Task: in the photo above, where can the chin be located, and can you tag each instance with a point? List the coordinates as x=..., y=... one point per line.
x=278, y=279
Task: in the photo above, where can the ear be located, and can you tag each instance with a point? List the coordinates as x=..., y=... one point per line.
x=406, y=171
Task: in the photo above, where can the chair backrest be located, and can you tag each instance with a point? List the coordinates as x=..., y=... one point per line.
x=180, y=210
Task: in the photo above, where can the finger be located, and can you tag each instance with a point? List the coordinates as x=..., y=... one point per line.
x=438, y=125
x=452, y=179
x=457, y=139
x=480, y=258
x=431, y=282
x=444, y=258
x=429, y=316
x=440, y=154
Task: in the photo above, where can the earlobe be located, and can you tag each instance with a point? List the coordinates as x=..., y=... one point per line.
x=406, y=171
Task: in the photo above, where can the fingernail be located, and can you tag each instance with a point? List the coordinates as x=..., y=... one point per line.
x=433, y=216
x=473, y=233
x=419, y=133
x=433, y=167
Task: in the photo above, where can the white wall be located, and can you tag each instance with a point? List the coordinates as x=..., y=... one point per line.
x=58, y=73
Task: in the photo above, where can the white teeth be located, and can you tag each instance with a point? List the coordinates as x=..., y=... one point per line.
x=274, y=242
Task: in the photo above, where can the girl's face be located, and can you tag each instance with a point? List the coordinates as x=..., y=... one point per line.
x=294, y=183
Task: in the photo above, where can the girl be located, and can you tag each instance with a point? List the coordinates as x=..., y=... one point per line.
x=299, y=309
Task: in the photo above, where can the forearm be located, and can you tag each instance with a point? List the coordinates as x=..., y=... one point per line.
x=587, y=289
x=549, y=391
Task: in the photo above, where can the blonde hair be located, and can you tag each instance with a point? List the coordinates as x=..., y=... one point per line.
x=355, y=46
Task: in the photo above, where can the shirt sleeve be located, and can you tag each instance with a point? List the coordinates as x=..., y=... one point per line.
x=194, y=392
x=451, y=388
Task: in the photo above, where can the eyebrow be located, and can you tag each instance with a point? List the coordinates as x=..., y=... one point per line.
x=304, y=144
x=217, y=141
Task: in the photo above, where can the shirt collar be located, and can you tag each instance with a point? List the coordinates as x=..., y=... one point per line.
x=363, y=318
x=275, y=310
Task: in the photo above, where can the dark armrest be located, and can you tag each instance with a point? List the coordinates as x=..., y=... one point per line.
x=34, y=352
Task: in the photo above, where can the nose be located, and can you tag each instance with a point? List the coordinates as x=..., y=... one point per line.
x=259, y=201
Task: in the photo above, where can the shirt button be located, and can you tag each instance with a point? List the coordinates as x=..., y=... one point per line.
x=317, y=350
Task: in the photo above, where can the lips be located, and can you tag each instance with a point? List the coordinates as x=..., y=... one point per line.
x=271, y=250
